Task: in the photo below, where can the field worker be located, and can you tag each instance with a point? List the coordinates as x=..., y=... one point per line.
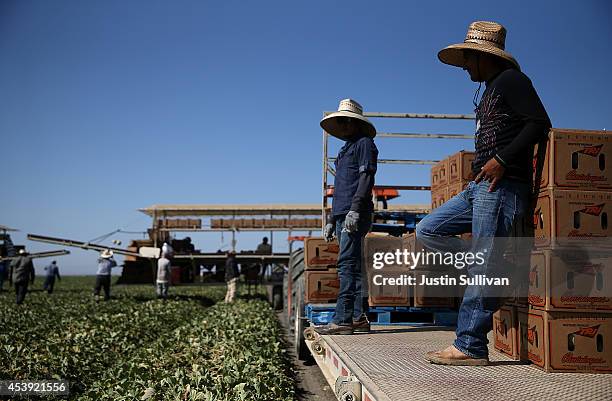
x=351, y=215
x=3, y=269
x=52, y=272
x=163, y=275
x=510, y=120
x=264, y=249
x=22, y=270
x=103, y=275
x=231, y=276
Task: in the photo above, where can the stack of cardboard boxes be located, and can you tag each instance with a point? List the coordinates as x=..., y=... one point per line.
x=402, y=294
x=565, y=322
x=320, y=273
x=450, y=176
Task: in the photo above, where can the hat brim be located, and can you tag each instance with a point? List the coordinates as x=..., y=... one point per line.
x=453, y=54
x=330, y=124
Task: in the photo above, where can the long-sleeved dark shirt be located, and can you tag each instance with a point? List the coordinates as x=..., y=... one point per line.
x=510, y=121
x=22, y=269
x=231, y=268
x=355, y=170
x=53, y=271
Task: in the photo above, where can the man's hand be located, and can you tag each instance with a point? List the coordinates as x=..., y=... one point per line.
x=328, y=232
x=351, y=221
x=492, y=171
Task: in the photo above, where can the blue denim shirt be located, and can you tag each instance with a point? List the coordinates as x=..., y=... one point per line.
x=105, y=266
x=354, y=158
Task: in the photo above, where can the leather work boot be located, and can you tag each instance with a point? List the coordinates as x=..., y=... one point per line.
x=362, y=325
x=333, y=328
x=452, y=356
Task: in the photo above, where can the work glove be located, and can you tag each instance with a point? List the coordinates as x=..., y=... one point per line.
x=328, y=232
x=351, y=221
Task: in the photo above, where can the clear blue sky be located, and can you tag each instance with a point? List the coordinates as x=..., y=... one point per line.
x=110, y=106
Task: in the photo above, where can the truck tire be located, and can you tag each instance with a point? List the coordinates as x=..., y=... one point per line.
x=301, y=350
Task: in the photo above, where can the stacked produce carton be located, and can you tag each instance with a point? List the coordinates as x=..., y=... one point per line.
x=565, y=322
x=450, y=176
x=402, y=294
x=320, y=273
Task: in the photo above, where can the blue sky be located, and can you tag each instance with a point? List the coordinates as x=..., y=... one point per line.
x=111, y=106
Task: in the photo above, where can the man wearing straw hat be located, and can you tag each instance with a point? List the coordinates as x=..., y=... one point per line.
x=103, y=275
x=351, y=215
x=510, y=120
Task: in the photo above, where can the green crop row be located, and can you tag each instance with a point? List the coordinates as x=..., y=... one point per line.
x=135, y=346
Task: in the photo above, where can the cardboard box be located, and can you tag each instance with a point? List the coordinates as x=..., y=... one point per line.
x=374, y=243
x=578, y=159
x=522, y=328
x=568, y=341
x=562, y=217
x=455, y=188
x=438, y=197
x=321, y=286
x=558, y=280
x=319, y=254
x=460, y=167
x=505, y=327
x=412, y=245
x=386, y=294
x=433, y=296
x=439, y=174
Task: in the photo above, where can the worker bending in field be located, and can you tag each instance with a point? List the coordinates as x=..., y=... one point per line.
x=22, y=274
x=510, y=120
x=231, y=276
x=52, y=273
x=351, y=215
x=103, y=275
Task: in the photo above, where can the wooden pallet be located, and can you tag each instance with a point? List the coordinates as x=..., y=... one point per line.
x=411, y=316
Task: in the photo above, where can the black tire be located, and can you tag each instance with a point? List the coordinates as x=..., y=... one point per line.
x=301, y=350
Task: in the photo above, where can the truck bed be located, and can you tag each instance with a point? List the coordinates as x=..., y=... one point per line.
x=389, y=363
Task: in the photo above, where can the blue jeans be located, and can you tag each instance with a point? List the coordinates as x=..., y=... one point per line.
x=352, y=298
x=487, y=215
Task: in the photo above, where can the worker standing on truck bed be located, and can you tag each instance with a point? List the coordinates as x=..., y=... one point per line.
x=510, y=120
x=351, y=216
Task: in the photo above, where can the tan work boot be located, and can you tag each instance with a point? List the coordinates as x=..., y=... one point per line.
x=452, y=356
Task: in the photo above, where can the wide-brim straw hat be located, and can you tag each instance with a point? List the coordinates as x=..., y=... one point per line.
x=482, y=36
x=106, y=254
x=351, y=109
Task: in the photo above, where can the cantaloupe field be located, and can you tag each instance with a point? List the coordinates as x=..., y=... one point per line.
x=191, y=347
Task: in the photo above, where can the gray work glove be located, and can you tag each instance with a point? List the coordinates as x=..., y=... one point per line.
x=351, y=221
x=328, y=232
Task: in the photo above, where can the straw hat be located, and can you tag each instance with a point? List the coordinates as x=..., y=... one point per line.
x=106, y=254
x=482, y=36
x=351, y=109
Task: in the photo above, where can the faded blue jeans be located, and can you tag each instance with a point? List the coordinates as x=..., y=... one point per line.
x=489, y=216
x=352, y=298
